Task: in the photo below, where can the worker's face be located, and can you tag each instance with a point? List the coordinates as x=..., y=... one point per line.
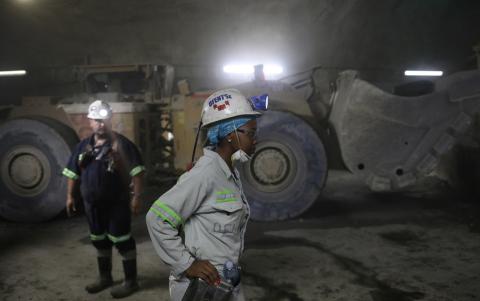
x=100, y=127
x=247, y=137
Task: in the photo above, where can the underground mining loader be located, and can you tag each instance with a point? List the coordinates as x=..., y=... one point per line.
x=390, y=141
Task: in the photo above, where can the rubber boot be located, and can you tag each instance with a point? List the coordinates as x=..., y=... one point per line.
x=105, y=279
x=130, y=284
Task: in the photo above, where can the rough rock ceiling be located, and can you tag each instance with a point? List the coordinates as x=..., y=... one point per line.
x=199, y=36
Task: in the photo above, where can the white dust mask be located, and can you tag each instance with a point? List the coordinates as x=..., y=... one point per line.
x=240, y=156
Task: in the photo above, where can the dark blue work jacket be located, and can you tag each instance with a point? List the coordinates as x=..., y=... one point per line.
x=105, y=171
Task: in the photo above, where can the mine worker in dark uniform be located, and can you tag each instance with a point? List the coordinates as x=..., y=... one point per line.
x=106, y=165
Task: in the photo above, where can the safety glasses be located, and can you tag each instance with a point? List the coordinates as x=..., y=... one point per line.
x=250, y=133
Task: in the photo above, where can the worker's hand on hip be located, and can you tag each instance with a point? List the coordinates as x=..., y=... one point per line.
x=205, y=270
x=70, y=205
x=136, y=205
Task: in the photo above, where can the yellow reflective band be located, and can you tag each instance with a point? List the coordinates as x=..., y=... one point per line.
x=225, y=195
x=95, y=237
x=226, y=191
x=137, y=170
x=69, y=174
x=226, y=200
x=163, y=217
x=117, y=239
x=176, y=219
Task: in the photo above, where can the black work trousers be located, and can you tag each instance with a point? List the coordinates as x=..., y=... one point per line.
x=110, y=223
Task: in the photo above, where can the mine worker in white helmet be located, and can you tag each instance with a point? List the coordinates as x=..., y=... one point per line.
x=207, y=204
x=104, y=165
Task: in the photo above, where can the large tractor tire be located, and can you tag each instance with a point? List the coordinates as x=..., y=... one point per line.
x=288, y=170
x=33, y=153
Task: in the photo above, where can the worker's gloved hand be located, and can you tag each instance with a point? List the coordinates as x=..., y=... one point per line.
x=70, y=205
x=205, y=270
x=136, y=205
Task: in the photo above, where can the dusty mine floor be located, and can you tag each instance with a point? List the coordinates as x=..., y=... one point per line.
x=352, y=245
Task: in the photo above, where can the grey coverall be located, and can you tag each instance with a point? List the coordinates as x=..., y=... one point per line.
x=209, y=205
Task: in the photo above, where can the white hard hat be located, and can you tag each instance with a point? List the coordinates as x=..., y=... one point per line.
x=225, y=104
x=99, y=110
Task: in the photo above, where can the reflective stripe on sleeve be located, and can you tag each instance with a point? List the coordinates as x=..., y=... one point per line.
x=137, y=170
x=69, y=174
x=164, y=212
x=117, y=239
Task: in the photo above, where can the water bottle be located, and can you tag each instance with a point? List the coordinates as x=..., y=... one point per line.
x=231, y=273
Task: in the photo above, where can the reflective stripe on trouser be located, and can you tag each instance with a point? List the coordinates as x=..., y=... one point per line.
x=125, y=244
x=98, y=237
x=118, y=239
x=178, y=286
x=102, y=244
x=114, y=239
x=110, y=223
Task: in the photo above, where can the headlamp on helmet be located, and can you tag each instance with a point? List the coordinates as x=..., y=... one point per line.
x=103, y=113
x=99, y=110
x=259, y=102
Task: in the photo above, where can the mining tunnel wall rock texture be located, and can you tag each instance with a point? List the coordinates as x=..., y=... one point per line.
x=381, y=38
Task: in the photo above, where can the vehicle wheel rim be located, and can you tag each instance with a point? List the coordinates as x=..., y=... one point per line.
x=25, y=170
x=272, y=167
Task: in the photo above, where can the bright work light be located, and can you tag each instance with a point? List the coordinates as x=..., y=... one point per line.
x=248, y=69
x=423, y=73
x=13, y=73
x=103, y=112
